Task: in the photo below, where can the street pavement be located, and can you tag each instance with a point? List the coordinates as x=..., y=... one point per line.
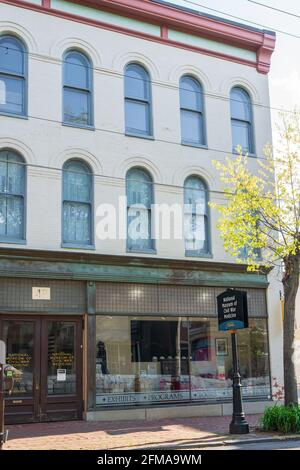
x=180, y=433
x=120, y=435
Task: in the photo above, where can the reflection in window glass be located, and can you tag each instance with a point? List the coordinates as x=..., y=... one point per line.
x=195, y=216
x=143, y=360
x=77, y=89
x=19, y=339
x=191, y=111
x=241, y=120
x=137, y=100
x=61, y=379
x=13, y=60
x=139, y=194
x=77, y=203
x=12, y=196
x=211, y=363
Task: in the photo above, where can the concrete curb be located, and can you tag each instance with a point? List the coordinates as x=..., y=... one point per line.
x=254, y=440
x=224, y=442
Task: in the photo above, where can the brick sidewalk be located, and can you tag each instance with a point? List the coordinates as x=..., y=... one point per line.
x=119, y=435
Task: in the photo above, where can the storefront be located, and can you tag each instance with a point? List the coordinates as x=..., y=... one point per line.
x=89, y=335
x=167, y=347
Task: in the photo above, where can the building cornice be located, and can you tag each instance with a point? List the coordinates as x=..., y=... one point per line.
x=167, y=16
x=122, y=260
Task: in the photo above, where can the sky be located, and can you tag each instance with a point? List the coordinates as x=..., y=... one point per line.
x=284, y=77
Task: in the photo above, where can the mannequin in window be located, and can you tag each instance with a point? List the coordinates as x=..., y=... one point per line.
x=101, y=357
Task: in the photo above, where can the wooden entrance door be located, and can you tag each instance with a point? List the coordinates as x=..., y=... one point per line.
x=47, y=353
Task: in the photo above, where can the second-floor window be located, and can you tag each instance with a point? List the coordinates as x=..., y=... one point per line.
x=241, y=120
x=13, y=71
x=77, y=203
x=12, y=196
x=191, y=112
x=77, y=93
x=138, y=114
x=196, y=217
x=139, y=194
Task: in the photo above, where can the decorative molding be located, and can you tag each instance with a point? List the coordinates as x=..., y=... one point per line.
x=121, y=60
x=182, y=173
x=10, y=27
x=239, y=35
x=164, y=30
x=24, y=263
x=162, y=14
x=196, y=72
x=226, y=86
x=57, y=161
x=17, y=145
x=264, y=54
x=60, y=47
x=138, y=161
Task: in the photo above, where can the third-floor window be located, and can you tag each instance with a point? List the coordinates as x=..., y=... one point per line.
x=191, y=112
x=138, y=114
x=77, y=93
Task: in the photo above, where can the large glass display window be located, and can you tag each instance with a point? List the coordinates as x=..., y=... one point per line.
x=147, y=360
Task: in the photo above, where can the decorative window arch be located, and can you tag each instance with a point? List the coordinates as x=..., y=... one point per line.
x=196, y=217
x=138, y=102
x=13, y=76
x=77, y=210
x=12, y=196
x=139, y=192
x=241, y=120
x=77, y=89
x=191, y=111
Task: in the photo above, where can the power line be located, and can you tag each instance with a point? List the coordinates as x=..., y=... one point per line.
x=227, y=152
x=121, y=179
x=274, y=8
x=162, y=84
x=165, y=141
x=242, y=19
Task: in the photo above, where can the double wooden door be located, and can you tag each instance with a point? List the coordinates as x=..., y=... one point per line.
x=47, y=355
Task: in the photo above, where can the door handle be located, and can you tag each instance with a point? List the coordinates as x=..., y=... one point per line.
x=37, y=387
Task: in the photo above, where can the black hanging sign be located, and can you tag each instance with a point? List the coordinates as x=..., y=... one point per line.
x=232, y=310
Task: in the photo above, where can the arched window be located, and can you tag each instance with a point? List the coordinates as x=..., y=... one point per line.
x=77, y=106
x=241, y=120
x=77, y=203
x=196, y=217
x=139, y=193
x=138, y=114
x=191, y=112
x=12, y=196
x=13, y=71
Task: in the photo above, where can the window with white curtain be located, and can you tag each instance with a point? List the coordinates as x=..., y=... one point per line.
x=77, y=203
x=77, y=92
x=241, y=120
x=138, y=115
x=13, y=76
x=139, y=194
x=191, y=111
x=196, y=217
x=12, y=196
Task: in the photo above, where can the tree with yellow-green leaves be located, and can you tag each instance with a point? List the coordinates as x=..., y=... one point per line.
x=260, y=223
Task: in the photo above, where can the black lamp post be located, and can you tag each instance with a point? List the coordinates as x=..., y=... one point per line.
x=238, y=423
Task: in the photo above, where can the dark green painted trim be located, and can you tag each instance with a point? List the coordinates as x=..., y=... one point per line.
x=91, y=297
x=93, y=267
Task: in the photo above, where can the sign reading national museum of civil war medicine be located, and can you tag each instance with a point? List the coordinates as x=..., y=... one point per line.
x=232, y=310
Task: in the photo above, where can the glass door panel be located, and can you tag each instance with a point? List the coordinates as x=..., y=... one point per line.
x=61, y=379
x=19, y=339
